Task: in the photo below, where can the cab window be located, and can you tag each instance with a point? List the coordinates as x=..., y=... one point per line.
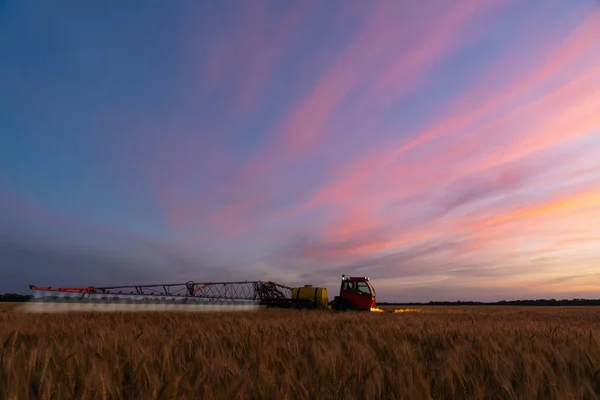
x=363, y=288
x=357, y=287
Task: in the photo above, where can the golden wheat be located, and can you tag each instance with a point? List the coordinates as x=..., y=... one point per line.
x=445, y=353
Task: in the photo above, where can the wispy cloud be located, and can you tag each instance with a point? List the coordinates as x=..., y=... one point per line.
x=577, y=97
x=313, y=119
x=245, y=54
x=438, y=148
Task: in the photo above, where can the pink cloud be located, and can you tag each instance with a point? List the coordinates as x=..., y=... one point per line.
x=170, y=162
x=250, y=50
x=340, y=249
x=587, y=198
x=307, y=124
x=497, y=242
x=408, y=71
x=355, y=220
x=565, y=114
x=237, y=62
x=557, y=98
x=512, y=232
x=308, y=121
x=577, y=121
x=469, y=108
x=228, y=219
x=505, y=223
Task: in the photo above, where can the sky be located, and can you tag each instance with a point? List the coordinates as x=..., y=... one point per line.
x=446, y=150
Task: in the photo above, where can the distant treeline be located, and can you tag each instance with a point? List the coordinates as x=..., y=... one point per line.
x=12, y=297
x=538, y=302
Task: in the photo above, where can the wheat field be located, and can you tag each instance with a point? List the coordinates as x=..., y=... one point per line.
x=437, y=353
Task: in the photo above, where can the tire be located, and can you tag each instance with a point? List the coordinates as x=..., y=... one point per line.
x=341, y=304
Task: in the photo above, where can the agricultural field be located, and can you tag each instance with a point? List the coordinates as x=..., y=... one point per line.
x=427, y=353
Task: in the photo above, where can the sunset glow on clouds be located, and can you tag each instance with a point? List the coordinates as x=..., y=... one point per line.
x=448, y=151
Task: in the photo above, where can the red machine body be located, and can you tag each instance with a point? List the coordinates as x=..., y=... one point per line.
x=356, y=293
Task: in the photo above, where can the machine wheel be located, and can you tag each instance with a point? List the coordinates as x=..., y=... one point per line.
x=341, y=304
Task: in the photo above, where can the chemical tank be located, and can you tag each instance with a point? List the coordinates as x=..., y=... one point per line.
x=310, y=296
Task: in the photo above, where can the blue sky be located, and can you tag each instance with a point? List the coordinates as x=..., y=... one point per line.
x=450, y=151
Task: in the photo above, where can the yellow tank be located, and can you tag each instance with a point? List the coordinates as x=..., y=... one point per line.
x=315, y=296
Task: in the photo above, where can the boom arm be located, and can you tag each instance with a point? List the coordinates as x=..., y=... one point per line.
x=255, y=290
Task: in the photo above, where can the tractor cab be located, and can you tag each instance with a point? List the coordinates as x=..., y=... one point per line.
x=356, y=293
